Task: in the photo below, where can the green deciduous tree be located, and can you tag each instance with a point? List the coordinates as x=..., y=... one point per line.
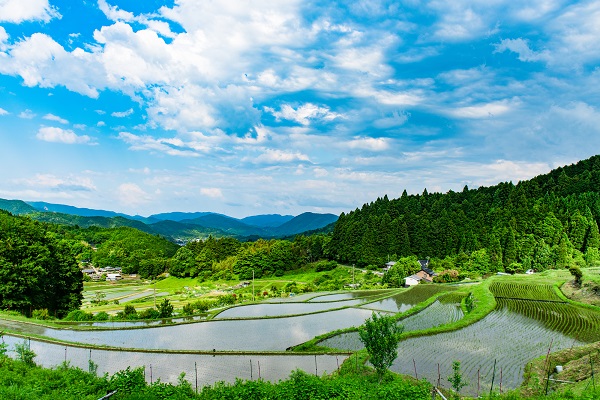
x=380, y=335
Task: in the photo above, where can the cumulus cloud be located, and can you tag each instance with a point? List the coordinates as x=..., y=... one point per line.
x=521, y=47
x=122, y=114
x=3, y=111
x=130, y=194
x=17, y=11
x=368, y=143
x=71, y=183
x=304, y=113
x=27, y=114
x=214, y=193
x=485, y=110
x=58, y=135
x=56, y=118
x=275, y=156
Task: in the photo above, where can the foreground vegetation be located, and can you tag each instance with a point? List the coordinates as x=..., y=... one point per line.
x=23, y=380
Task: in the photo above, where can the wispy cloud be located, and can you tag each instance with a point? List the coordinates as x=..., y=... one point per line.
x=122, y=114
x=52, y=117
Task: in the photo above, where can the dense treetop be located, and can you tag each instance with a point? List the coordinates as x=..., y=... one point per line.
x=37, y=268
x=548, y=221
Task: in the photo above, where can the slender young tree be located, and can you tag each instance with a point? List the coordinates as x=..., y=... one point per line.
x=380, y=335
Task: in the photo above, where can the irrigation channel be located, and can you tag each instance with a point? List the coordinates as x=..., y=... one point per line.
x=527, y=321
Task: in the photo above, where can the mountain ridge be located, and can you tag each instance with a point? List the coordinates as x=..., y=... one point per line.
x=177, y=226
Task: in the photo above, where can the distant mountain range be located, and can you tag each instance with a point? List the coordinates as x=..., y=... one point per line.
x=177, y=226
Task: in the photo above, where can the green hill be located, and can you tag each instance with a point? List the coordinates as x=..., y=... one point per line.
x=550, y=221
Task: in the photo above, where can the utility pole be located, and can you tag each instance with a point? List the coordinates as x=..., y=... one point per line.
x=154, y=294
x=352, y=276
x=252, y=285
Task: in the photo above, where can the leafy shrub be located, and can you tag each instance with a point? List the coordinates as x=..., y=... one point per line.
x=101, y=316
x=149, y=313
x=41, y=314
x=325, y=266
x=188, y=309
x=79, y=315
x=24, y=353
x=165, y=309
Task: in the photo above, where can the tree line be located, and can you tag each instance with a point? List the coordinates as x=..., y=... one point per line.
x=550, y=221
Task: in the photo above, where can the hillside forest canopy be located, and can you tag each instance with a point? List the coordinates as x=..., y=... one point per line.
x=550, y=221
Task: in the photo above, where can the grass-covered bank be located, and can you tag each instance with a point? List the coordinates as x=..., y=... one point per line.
x=26, y=381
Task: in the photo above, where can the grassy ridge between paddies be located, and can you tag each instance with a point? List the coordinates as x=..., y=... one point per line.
x=313, y=344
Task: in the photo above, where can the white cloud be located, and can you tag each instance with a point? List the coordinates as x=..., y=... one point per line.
x=172, y=146
x=100, y=124
x=368, y=143
x=3, y=39
x=27, y=114
x=58, y=135
x=486, y=110
x=130, y=194
x=214, y=193
x=52, y=117
x=304, y=113
x=274, y=156
x=521, y=47
x=3, y=111
x=122, y=114
x=17, y=11
x=71, y=183
x=113, y=13
x=41, y=61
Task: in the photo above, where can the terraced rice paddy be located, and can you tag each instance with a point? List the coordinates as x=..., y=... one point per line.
x=407, y=299
x=439, y=313
x=277, y=309
x=576, y=322
x=168, y=367
x=525, y=291
x=522, y=327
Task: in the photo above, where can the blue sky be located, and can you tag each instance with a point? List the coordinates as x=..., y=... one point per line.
x=253, y=107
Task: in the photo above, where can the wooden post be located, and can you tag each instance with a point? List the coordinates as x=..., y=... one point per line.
x=316, y=372
x=151, y=374
x=478, y=380
x=493, y=376
x=250, y=369
x=65, y=355
x=258, y=369
x=500, y=380
x=439, y=375
x=196, y=370
x=548, y=355
x=593, y=379
x=338, y=363
x=415, y=366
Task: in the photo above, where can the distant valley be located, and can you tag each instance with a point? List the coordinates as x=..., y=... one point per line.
x=177, y=226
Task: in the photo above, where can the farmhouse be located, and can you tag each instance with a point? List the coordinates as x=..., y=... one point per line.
x=425, y=274
x=113, y=277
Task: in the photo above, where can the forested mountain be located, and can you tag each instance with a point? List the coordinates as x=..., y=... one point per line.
x=267, y=220
x=304, y=222
x=82, y=212
x=546, y=222
x=232, y=226
x=176, y=226
x=16, y=207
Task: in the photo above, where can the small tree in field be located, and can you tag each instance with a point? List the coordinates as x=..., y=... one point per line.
x=577, y=274
x=380, y=335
